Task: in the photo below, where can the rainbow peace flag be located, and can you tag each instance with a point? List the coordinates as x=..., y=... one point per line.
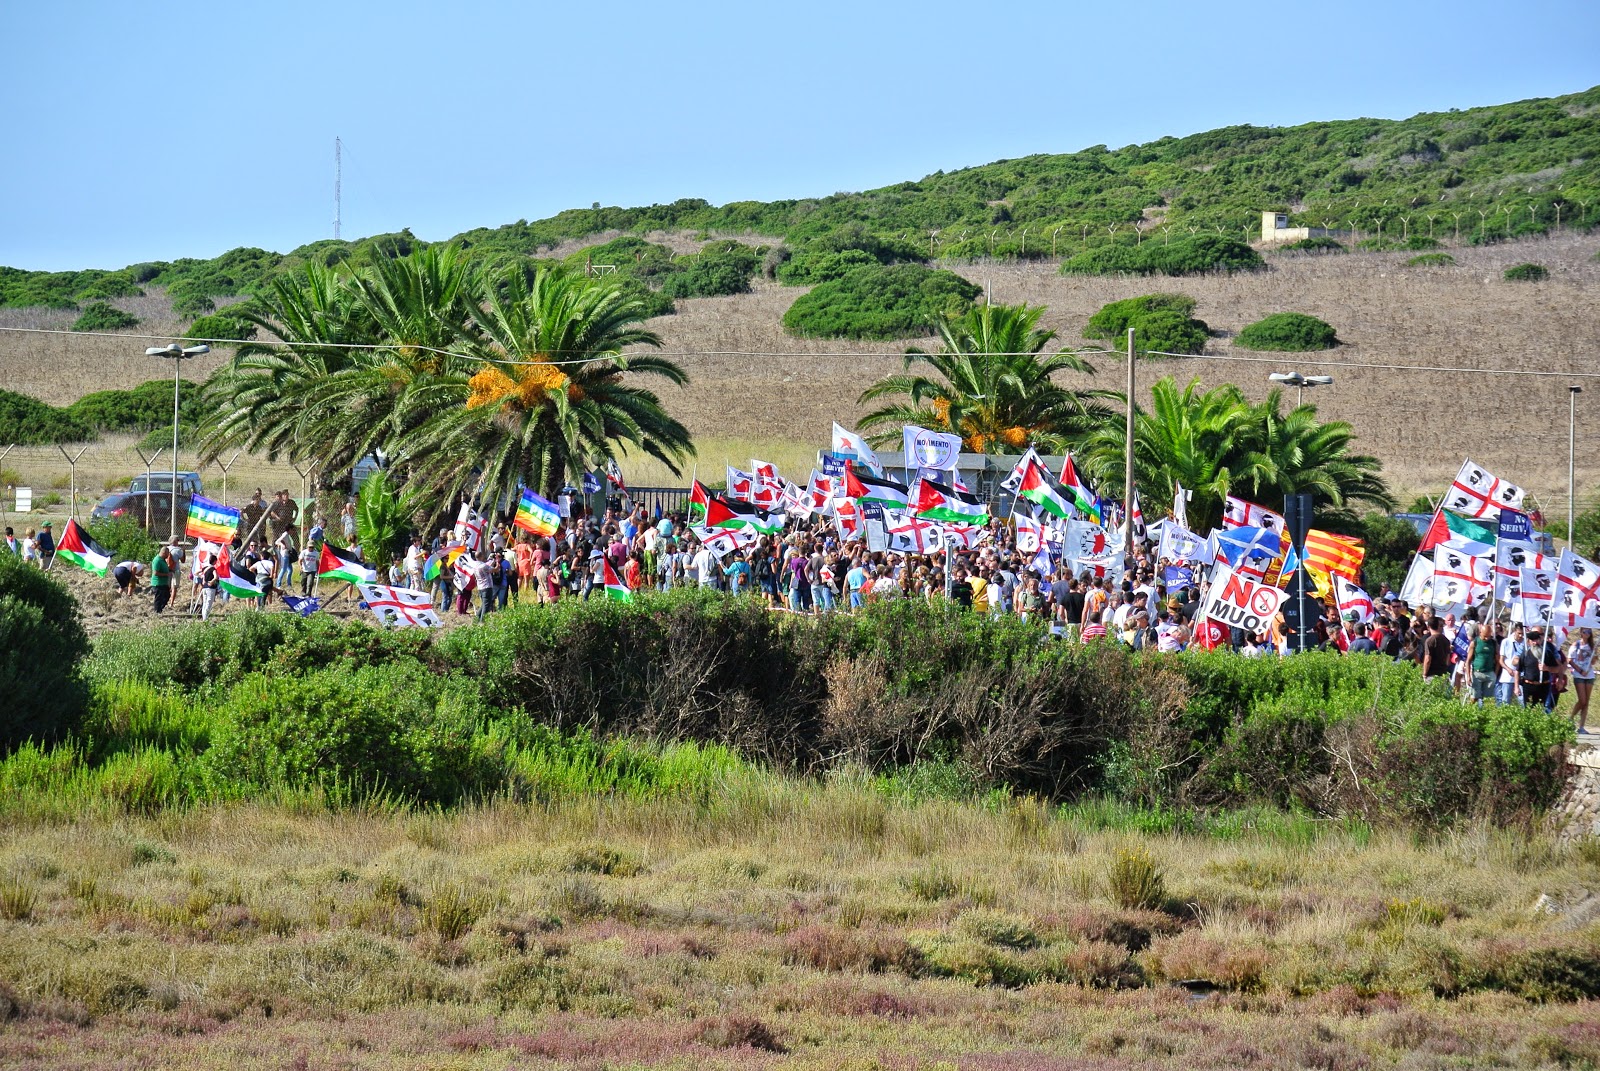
x=537, y=515
x=440, y=560
x=211, y=521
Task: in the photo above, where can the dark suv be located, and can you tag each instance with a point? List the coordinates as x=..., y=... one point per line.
x=137, y=503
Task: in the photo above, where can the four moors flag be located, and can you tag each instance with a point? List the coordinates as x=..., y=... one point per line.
x=1476, y=493
x=80, y=550
x=399, y=607
x=211, y=521
x=339, y=564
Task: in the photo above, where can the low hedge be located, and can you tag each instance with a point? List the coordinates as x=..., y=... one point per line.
x=902, y=683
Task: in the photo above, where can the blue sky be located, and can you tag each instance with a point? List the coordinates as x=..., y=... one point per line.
x=153, y=131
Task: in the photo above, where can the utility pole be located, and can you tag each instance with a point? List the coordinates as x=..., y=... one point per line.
x=338, y=181
x=1127, y=462
x=1572, y=455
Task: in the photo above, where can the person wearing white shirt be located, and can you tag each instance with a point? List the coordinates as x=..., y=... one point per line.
x=704, y=567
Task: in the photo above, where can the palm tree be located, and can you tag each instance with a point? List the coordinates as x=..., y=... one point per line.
x=993, y=384
x=1215, y=443
x=382, y=519
x=547, y=396
x=261, y=400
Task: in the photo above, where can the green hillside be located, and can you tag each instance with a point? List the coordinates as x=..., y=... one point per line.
x=1487, y=173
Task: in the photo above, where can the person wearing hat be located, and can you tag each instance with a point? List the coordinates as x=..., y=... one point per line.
x=1538, y=664
x=47, y=544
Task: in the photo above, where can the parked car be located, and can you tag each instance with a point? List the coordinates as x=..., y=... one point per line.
x=148, y=501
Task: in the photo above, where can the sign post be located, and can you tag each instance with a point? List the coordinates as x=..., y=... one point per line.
x=1297, y=522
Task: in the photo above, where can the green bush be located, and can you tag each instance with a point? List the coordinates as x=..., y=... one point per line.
x=141, y=408
x=1161, y=322
x=1186, y=256
x=1527, y=273
x=29, y=422
x=219, y=326
x=190, y=303
x=720, y=268
x=899, y=301
x=822, y=266
x=98, y=316
x=1288, y=331
x=395, y=729
x=1320, y=244
x=124, y=539
x=1431, y=260
x=42, y=642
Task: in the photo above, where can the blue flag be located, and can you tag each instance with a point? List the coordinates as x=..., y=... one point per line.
x=1514, y=525
x=304, y=606
x=1237, y=544
x=833, y=466
x=591, y=483
x=873, y=511
x=1461, y=645
x=1177, y=577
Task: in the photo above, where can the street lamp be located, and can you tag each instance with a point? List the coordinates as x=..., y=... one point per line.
x=1299, y=383
x=178, y=354
x=1572, y=452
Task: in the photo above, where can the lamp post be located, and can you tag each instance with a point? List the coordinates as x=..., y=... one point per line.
x=1299, y=383
x=178, y=354
x=1572, y=454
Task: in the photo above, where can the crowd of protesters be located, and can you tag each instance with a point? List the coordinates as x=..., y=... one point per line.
x=811, y=569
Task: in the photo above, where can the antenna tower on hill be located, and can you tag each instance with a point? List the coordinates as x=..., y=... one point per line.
x=338, y=175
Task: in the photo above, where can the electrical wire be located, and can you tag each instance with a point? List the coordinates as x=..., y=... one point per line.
x=856, y=355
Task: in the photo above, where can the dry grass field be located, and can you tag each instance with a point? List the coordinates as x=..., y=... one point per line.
x=776, y=924
x=757, y=391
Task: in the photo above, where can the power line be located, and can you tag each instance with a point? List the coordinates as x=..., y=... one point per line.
x=853, y=354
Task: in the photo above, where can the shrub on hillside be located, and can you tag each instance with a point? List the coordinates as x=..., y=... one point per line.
x=98, y=316
x=1186, y=256
x=1288, y=331
x=822, y=266
x=29, y=422
x=1431, y=260
x=1320, y=244
x=191, y=303
x=125, y=539
x=1161, y=322
x=720, y=268
x=1527, y=273
x=878, y=302
x=221, y=326
x=141, y=408
x=41, y=644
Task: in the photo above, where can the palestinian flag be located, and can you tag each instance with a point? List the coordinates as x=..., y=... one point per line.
x=865, y=488
x=699, y=499
x=1447, y=526
x=721, y=513
x=80, y=550
x=615, y=588
x=1037, y=487
x=340, y=564
x=240, y=587
x=1083, y=498
x=936, y=502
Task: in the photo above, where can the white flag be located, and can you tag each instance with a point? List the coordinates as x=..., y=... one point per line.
x=399, y=607
x=1352, y=599
x=1478, y=493
x=1180, y=544
x=469, y=527
x=1418, y=587
x=1459, y=579
x=1576, y=592
x=1511, y=556
x=1237, y=513
x=852, y=447
x=1531, y=602
x=926, y=449
x=1030, y=535
x=1014, y=481
x=1180, y=504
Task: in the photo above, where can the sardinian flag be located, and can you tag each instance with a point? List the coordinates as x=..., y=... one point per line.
x=1237, y=513
x=1418, y=587
x=399, y=607
x=741, y=485
x=720, y=541
x=796, y=500
x=1030, y=535
x=1460, y=578
x=1477, y=493
x=960, y=536
x=1511, y=556
x=910, y=534
x=614, y=474
x=1535, y=591
x=819, y=493
x=469, y=527
x=1352, y=599
x=1577, y=588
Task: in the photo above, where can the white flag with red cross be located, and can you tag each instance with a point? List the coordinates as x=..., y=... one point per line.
x=1476, y=492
